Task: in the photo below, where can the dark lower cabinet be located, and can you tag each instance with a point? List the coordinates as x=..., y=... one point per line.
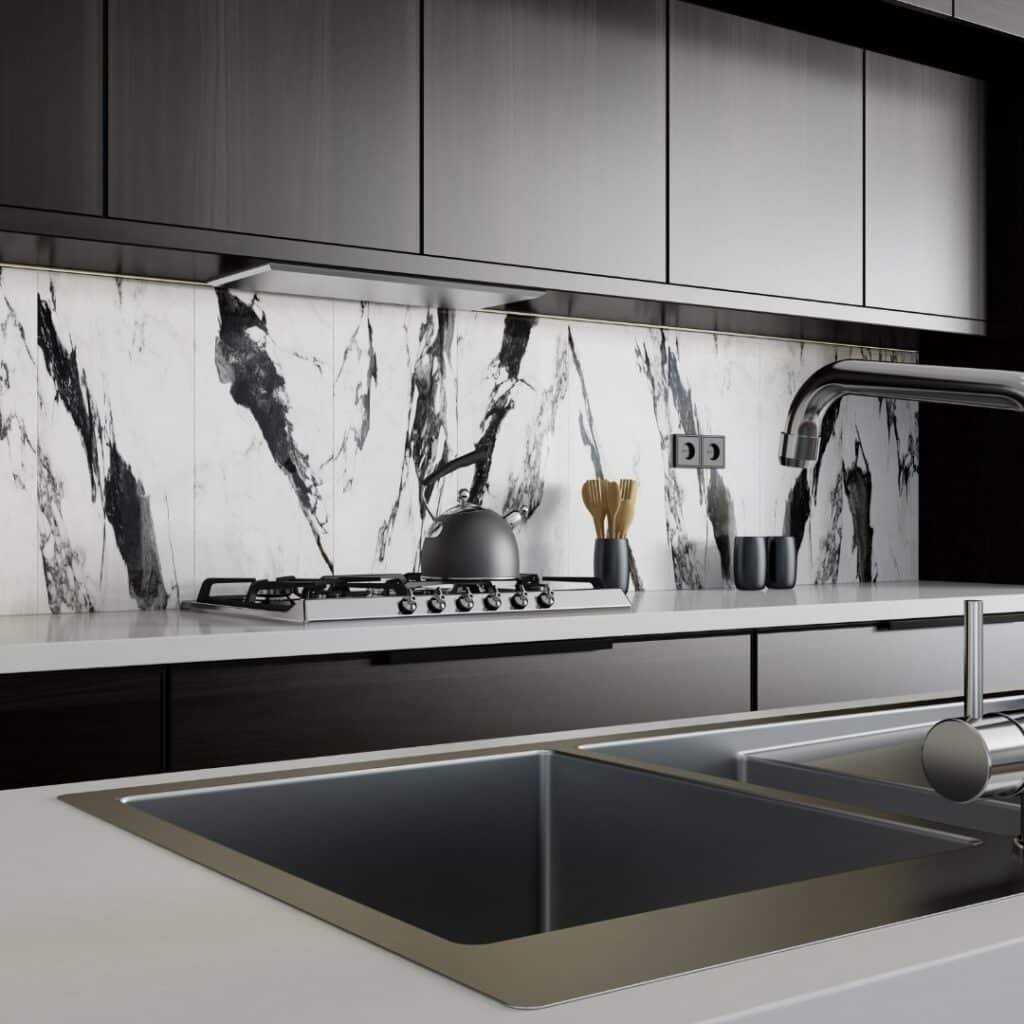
x=74, y=726
x=862, y=663
x=245, y=713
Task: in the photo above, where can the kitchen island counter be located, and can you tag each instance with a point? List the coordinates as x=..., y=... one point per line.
x=43, y=643
x=101, y=925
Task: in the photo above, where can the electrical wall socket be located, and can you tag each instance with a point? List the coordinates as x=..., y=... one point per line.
x=712, y=451
x=694, y=451
x=685, y=451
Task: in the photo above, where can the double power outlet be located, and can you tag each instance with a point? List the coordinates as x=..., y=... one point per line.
x=698, y=451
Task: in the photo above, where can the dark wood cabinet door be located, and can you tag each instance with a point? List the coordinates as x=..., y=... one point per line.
x=544, y=134
x=297, y=119
x=1002, y=15
x=73, y=726
x=239, y=714
x=51, y=104
x=938, y=6
x=924, y=189
x=765, y=155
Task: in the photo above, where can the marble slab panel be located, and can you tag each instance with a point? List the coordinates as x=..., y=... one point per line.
x=116, y=451
x=629, y=395
x=396, y=420
x=264, y=426
x=856, y=511
x=19, y=536
x=513, y=388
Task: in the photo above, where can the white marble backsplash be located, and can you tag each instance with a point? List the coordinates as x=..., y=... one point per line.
x=153, y=434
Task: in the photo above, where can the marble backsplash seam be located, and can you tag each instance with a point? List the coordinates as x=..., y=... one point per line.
x=152, y=434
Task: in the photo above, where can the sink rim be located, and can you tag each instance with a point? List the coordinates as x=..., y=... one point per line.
x=546, y=968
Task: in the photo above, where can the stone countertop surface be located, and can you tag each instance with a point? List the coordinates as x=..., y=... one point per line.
x=41, y=643
x=99, y=925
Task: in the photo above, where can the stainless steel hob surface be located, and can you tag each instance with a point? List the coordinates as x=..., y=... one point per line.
x=399, y=595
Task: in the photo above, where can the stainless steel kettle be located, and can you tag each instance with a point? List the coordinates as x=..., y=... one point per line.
x=469, y=541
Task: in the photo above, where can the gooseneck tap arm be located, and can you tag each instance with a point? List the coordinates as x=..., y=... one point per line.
x=947, y=385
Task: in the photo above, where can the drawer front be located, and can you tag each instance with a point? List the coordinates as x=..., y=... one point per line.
x=75, y=726
x=247, y=713
x=864, y=663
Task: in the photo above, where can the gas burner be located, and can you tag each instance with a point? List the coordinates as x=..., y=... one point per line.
x=397, y=595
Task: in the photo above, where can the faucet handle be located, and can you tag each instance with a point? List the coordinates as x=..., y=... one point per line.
x=974, y=661
x=965, y=758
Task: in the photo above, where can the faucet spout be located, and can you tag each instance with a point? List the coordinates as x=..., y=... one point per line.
x=947, y=385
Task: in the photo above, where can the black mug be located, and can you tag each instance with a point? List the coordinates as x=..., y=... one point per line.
x=781, y=563
x=750, y=563
x=611, y=563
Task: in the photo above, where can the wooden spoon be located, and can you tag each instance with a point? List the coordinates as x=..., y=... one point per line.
x=610, y=490
x=593, y=498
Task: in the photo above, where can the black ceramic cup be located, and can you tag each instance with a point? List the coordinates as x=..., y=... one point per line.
x=781, y=563
x=611, y=563
x=750, y=563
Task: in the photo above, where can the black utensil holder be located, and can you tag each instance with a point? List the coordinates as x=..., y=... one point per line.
x=611, y=563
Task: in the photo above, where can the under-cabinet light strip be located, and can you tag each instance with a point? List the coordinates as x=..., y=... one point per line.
x=102, y=273
x=699, y=330
x=495, y=312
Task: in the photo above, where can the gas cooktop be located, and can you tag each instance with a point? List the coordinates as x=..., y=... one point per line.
x=400, y=595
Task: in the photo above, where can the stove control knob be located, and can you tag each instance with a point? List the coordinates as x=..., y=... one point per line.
x=407, y=605
x=545, y=599
x=436, y=604
x=518, y=600
x=464, y=602
x=492, y=602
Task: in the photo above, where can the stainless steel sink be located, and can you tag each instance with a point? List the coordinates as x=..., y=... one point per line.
x=498, y=848
x=547, y=873
x=867, y=759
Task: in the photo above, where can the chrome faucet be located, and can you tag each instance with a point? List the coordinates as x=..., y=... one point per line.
x=947, y=385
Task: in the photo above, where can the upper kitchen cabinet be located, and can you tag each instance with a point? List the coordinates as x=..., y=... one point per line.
x=296, y=119
x=765, y=157
x=544, y=134
x=925, y=202
x=51, y=105
x=938, y=6
x=1003, y=15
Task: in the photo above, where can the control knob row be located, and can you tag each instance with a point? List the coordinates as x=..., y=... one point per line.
x=465, y=603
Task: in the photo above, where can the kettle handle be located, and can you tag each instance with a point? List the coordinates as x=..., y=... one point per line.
x=470, y=459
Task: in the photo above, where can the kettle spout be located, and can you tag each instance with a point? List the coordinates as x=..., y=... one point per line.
x=517, y=516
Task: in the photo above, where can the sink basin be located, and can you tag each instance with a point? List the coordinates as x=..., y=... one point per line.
x=882, y=772
x=866, y=759
x=498, y=848
x=552, y=872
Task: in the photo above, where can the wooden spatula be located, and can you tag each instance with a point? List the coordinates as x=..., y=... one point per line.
x=593, y=498
x=627, y=508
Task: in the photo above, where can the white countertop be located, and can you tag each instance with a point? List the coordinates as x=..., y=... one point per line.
x=99, y=925
x=39, y=643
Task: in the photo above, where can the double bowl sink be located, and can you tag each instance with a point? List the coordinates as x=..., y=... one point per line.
x=545, y=873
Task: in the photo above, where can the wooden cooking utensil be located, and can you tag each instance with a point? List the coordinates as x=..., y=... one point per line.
x=610, y=491
x=627, y=508
x=593, y=498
